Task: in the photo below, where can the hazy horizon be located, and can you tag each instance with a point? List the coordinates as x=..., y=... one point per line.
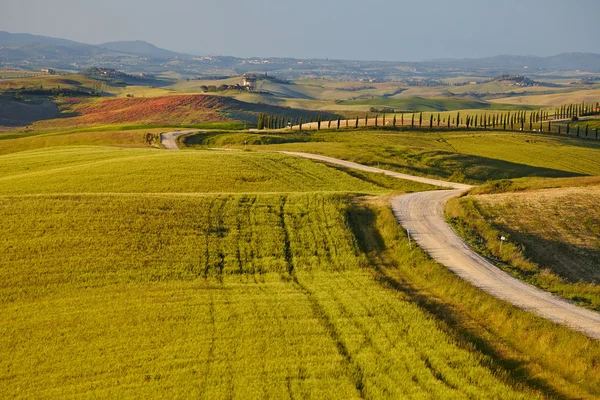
x=400, y=31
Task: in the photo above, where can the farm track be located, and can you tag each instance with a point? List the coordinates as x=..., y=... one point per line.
x=422, y=214
x=168, y=139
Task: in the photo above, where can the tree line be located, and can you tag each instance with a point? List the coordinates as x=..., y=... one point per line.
x=521, y=120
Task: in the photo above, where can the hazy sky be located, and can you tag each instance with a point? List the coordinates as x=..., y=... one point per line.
x=349, y=29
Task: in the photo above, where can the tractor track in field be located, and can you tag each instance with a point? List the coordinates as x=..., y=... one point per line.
x=422, y=214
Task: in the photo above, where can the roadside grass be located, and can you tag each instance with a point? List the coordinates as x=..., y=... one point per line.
x=553, y=237
x=592, y=124
x=474, y=157
x=529, y=184
x=560, y=362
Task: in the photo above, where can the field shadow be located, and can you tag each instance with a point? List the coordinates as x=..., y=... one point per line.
x=474, y=168
x=571, y=262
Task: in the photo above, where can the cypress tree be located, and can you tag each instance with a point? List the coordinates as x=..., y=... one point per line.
x=356, y=126
x=318, y=122
x=339, y=122
x=329, y=123
x=394, y=121
x=438, y=120
x=475, y=124
x=259, y=124
x=383, y=120
x=457, y=119
x=420, y=119
x=402, y=119
x=300, y=123
x=412, y=121
x=504, y=122
x=448, y=120
x=376, y=119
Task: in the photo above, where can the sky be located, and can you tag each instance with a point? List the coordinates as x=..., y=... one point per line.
x=339, y=29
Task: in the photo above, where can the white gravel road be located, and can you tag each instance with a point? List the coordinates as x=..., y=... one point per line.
x=168, y=139
x=422, y=214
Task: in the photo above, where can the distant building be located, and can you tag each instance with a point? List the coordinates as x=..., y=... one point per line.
x=249, y=82
x=49, y=71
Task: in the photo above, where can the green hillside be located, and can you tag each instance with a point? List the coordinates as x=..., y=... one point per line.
x=432, y=104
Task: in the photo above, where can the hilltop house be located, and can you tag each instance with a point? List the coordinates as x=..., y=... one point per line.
x=249, y=82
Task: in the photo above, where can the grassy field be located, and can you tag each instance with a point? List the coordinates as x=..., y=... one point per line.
x=75, y=81
x=553, y=235
x=149, y=292
x=475, y=156
x=142, y=273
x=100, y=170
x=128, y=271
x=431, y=104
x=554, y=99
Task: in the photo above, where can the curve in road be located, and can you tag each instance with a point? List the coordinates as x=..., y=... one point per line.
x=422, y=214
x=169, y=141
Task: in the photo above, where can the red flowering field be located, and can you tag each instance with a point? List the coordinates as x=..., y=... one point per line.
x=178, y=109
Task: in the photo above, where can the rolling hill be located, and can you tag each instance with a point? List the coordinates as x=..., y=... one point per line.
x=140, y=48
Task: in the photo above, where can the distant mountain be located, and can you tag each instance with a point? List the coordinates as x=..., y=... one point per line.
x=20, y=39
x=140, y=48
x=589, y=62
x=27, y=51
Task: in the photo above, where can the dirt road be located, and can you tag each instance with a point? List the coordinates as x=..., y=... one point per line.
x=168, y=139
x=422, y=214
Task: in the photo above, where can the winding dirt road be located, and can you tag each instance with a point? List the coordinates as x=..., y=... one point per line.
x=168, y=139
x=422, y=214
